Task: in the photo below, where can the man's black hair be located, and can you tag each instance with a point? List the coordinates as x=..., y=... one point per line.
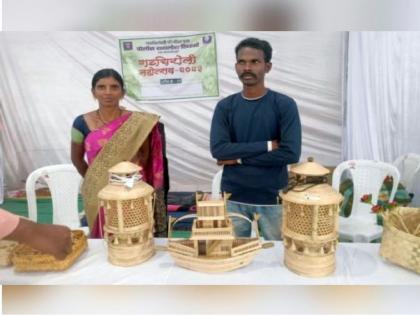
x=256, y=43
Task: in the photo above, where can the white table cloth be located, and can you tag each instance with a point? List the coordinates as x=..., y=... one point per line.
x=356, y=263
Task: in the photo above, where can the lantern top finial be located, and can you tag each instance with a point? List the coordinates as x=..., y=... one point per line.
x=125, y=183
x=310, y=168
x=124, y=168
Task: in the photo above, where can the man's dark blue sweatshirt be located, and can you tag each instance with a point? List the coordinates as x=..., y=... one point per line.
x=241, y=129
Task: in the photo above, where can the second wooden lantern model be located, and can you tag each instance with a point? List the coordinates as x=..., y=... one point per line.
x=128, y=205
x=310, y=221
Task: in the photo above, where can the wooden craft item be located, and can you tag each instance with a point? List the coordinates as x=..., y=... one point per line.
x=213, y=246
x=6, y=250
x=26, y=258
x=401, y=238
x=128, y=205
x=310, y=223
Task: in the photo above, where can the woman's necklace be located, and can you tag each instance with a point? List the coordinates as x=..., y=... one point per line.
x=105, y=122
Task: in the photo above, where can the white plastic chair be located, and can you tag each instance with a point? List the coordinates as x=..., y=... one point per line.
x=216, y=185
x=368, y=177
x=409, y=167
x=63, y=181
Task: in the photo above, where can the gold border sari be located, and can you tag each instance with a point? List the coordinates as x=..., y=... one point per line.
x=123, y=146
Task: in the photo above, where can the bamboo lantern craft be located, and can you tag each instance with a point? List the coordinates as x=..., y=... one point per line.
x=212, y=246
x=128, y=205
x=310, y=221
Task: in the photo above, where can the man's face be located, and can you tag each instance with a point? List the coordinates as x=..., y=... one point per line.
x=251, y=67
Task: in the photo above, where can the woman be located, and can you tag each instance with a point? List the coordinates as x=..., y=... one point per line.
x=111, y=134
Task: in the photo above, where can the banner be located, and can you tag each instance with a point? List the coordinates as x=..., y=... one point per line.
x=167, y=68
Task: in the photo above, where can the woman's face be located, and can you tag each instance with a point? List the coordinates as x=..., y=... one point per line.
x=108, y=92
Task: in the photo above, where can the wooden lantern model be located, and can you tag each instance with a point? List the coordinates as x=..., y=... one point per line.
x=310, y=221
x=128, y=205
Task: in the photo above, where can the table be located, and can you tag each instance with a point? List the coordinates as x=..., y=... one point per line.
x=357, y=263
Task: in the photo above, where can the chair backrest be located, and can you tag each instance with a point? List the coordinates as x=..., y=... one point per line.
x=63, y=181
x=216, y=185
x=409, y=167
x=368, y=177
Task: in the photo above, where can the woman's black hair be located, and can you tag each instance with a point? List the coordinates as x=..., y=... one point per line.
x=106, y=73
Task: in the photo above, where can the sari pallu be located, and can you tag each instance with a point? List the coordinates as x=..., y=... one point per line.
x=121, y=140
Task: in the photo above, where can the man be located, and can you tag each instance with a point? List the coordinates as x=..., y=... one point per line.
x=47, y=238
x=255, y=134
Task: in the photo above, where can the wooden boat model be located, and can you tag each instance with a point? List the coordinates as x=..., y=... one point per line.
x=212, y=246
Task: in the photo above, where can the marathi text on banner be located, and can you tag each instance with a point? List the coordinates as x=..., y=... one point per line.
x=170, y=67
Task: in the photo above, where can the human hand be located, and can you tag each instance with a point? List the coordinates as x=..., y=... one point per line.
x=52, y=239
x=47, y=238
x=227, y=162
x=274, y=144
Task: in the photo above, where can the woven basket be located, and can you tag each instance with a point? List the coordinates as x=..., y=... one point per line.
x=401, y=238
x=26, y=258
x=6, y=250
